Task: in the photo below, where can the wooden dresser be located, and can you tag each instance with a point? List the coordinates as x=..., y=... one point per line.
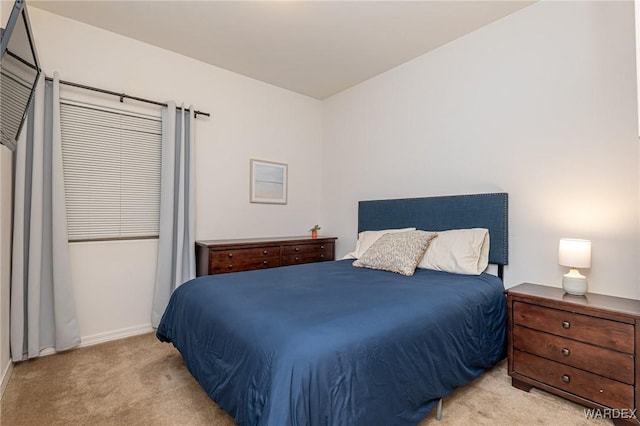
x=221, y=256
x=582, y=348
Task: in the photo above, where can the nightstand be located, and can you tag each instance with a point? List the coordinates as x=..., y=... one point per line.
x=582, y=348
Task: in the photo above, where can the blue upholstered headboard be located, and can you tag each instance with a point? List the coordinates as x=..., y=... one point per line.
x=441, y=213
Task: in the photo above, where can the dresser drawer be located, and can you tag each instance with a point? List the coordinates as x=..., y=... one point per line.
x=296, y=259
x=585, y=328
x=245, y=254
x=612, y=364
x=236, y=265
x=578, y=382
x=320, y=248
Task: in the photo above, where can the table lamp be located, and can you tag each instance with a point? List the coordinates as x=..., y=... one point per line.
x=574, y=254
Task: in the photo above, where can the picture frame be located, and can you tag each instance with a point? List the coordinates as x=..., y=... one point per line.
x=268, y=182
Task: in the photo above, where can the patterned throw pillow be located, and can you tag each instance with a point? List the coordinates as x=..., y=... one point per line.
x=397, y=252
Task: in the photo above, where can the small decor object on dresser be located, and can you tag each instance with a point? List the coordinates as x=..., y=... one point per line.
x=582, y=348
x=314, y=231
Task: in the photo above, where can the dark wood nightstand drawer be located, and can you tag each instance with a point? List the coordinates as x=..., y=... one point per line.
x=221, y=267
x=612, y=364
x=578, y=382
x=244, y=254
x=598, y=331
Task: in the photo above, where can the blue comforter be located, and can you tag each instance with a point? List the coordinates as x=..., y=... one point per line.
x=331, y=344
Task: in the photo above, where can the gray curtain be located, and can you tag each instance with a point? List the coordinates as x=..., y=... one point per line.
x=43, y=313
x=176, y=245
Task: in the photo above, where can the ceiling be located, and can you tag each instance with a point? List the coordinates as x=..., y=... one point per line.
x=316, y=48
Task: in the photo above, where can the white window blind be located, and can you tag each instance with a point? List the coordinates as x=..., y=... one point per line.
x=111, y=162
x=13, y=97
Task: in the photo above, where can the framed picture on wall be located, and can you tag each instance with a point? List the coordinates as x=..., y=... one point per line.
x=268, y=182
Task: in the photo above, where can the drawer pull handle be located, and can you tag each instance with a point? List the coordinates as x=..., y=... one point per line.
x=264, y=252
x=230, y=266
x=297, y=249
x=321, y=247
x=264, y=262
x=566, y=352
x=566, y=324
x=322, y=256
x=566, y=378
x=230, y=255
x=297, y=258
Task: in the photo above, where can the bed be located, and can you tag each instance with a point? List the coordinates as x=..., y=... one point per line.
x=331, y=344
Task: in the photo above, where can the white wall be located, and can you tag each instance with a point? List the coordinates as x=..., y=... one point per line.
x=541, y=104
x=113, y=282
x=5, y=242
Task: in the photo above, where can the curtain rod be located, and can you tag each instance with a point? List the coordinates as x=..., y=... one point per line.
x=122, y=96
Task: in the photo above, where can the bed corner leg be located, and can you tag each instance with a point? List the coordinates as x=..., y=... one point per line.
x=439, y=410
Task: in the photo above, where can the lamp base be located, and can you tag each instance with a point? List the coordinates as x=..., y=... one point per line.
x=574, y=283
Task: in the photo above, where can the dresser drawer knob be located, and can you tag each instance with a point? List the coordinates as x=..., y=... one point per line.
x=264, y=262
x=297, y=249
x=322, y=256
x=230, y=255
x=230, y=266
x=566, y=378
x=264, y=252
x=566, y=352
x=566, y=324
x=321, y=247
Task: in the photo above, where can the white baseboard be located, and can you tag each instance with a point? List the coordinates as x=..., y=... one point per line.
x=6, y=375
x=107, y=336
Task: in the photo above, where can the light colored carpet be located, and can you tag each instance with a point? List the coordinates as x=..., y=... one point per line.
x=140, y=381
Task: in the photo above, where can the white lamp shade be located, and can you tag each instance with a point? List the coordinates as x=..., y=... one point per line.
x=574, y=253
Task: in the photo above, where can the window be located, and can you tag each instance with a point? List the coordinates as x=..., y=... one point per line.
x=111, y=162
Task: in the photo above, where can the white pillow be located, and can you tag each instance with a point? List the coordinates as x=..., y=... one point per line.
x=461, y=251
x=367, y=238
